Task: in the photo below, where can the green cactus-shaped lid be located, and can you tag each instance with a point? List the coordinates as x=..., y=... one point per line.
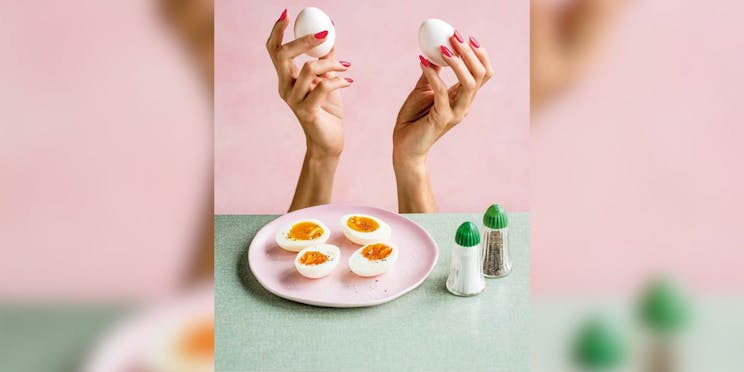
x=467, y=235
x=495, y=217
x=663, y=308
x=598, y=346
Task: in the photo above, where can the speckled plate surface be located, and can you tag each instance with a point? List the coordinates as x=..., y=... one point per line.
x=274, y=267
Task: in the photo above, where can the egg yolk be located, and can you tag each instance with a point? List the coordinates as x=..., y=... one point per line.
x=313, y=258
x=198, y=340
x=362, y=224
x=305, y=231
x=376, y=251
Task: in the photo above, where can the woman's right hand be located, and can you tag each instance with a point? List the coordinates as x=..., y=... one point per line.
x=312, y=92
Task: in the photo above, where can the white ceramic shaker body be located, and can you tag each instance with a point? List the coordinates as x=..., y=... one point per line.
x=466, y=267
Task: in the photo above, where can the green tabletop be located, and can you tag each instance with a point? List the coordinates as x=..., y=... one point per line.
x=427, y=329
x=53, y=337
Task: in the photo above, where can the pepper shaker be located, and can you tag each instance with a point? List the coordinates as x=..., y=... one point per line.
x=496, y=261
x=466, y=270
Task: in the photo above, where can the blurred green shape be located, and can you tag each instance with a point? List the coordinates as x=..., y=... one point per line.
x=663, y=308
x=598, y=346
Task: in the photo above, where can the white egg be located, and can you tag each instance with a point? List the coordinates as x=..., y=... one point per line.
x=301, y=234
x=434, y=33
x=317, y=261
x=364, y=229
x=373, y=259
x=312, y=20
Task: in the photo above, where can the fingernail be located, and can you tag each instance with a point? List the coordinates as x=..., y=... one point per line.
x=283, y=16
x=424, y=61
x=445, y=51
x=349, y=80
x=458, y=36
x=321, y=34
x=344, y=63
x=474, y=42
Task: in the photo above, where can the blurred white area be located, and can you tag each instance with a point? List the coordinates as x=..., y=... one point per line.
x=172, y=335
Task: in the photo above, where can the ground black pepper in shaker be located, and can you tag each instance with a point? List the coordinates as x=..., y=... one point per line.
x=496, y=261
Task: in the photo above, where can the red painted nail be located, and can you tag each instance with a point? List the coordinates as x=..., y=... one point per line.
x=424, y=61
x=283, y=16
x=474, y=42
x=321, y=35
x=458, y=36
x=349, y=80
x=445, y=51
x=344, y=63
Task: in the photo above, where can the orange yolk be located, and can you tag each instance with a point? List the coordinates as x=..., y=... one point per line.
x=305, y=231
x=198, y=340
x=362, y=224
x=376, y=251
x=313, y=258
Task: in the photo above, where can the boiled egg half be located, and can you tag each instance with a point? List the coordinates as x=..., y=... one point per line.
x=302, y=234
x=317, y=261
x=373, y=259
x=364, y=229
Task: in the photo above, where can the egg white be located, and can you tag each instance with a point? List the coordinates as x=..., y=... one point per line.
x=312, y=20
x=294, y=245
x=319, y=270
x=361, y=266
x=362, y=238
x=434, y=33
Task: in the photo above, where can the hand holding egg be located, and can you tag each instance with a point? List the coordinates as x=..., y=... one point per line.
x=312, y=91
x=432, y=108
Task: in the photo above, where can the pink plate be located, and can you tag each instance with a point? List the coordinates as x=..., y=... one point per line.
x=274, y=267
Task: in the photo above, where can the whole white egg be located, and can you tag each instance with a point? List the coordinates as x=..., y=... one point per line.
x=317, y=261
x=434, y=33
x=373, y=259
x=364, y=229
x=301, y=234
x=312, y=20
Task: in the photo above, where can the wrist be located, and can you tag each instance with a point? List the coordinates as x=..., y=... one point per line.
x=409, y=163
x=323, y=155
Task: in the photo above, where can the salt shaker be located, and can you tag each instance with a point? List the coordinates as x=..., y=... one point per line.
x=496, y=261
x=466, y=274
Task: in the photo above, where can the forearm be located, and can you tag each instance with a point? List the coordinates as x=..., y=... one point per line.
x=315, y=185
x=414, y=190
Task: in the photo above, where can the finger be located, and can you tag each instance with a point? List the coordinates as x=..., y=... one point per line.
x=467, y=89
x=423, y=82
x=301, y=45
x=283, y=68
x=325, y=87
x=277, y=34
x=438, y=86
x=482, y=54
x=311, y=70
x=332, y=56
x=474, y=65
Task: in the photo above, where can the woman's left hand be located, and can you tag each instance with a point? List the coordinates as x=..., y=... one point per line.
x=428, y=113
x=432, y=108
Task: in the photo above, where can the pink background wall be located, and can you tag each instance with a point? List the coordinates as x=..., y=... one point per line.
x=638, y=168
x=259, y=144
x=105, y=149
